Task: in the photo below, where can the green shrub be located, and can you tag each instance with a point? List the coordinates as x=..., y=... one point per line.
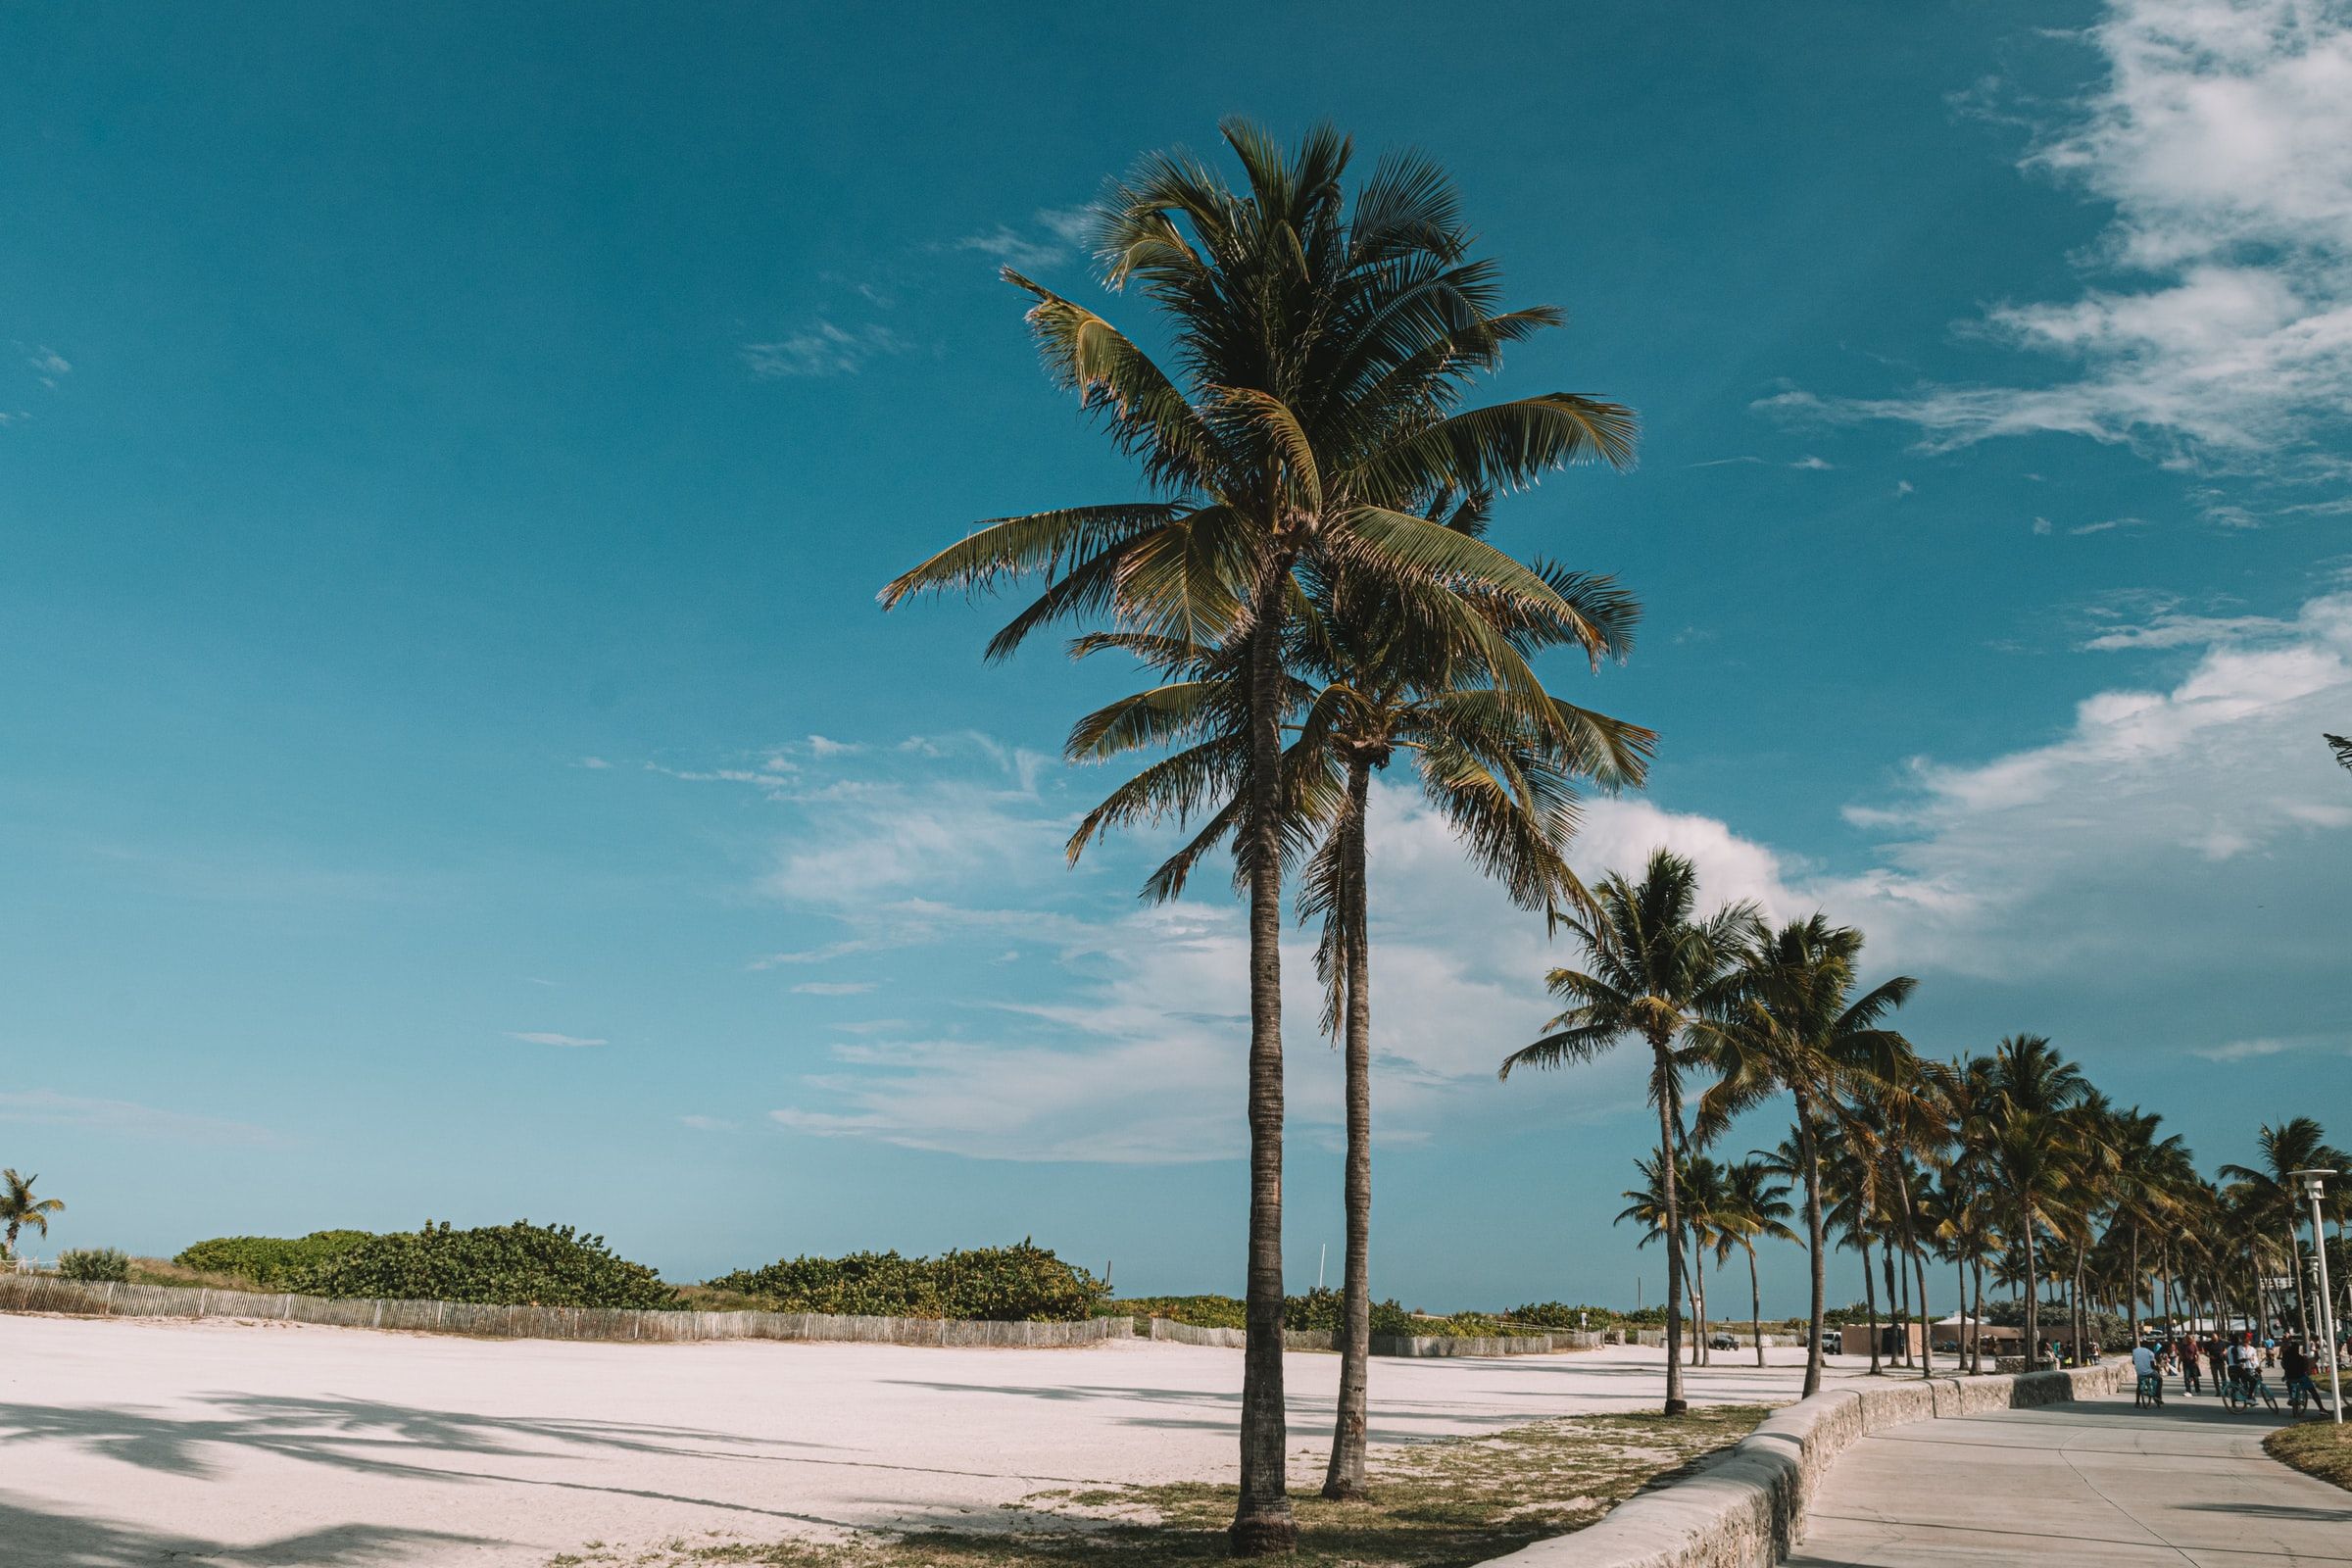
x=1198, y=1311
x=94, y=1265
x=508, y=1266
x=268, y=1262
x=1561, y=1315
x=1026, y=1282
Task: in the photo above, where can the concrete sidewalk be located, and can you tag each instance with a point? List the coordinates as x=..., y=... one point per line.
x=2098, y=1483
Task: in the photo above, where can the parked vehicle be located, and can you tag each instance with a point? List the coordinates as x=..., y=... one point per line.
x=1723, y=1341
x=1833, y=1342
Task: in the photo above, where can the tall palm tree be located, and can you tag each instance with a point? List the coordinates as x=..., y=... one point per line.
x=20, y=1208
x=1322, y=347
x=1374, y=683
x=2275, y=1201
x=1651, y=965
x=1754, y=1204
x=1792, y=1024
x=2030, y=1136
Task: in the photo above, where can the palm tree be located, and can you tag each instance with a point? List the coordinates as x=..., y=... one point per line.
x=19, y=1207
x=2030, y=1136
x=1374, y=683
x=1791, y=1024
x=2274, y=1200
x=1754, y=1204
x=1650, y=966
x=1322, y=348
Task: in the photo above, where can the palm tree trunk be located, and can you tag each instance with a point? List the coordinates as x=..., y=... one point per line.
x=1698, y=1302
x=1756, y=1303
x=1346, y=1477
x=1894, y=1308
x=1810, y=1149
x=2135, y=1284
x=1869, y=1300
x=1663, y=1084
x=2294, y=1268
x=1975, y=1359
x=1926, y=1314
x=1262, y=1520
x=2032, y=1294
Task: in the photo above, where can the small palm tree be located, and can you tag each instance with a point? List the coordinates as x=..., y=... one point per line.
x=1651, y=967
x=1754, y=1204
x=2032, y=1131
x=20, y=1208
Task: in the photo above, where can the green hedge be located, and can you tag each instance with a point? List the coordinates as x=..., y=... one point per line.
x=94, y=1265
x=270, y=1262
x=1019, y=1284
x=502, y=1266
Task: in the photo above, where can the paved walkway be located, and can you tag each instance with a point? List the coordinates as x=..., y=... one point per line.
x=2096, y=1483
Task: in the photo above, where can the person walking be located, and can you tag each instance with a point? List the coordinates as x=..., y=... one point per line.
x=2190, y=1381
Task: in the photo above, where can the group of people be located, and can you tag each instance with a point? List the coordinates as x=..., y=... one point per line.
x=2237, y=1363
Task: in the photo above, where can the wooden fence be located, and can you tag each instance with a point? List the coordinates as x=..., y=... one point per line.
x=45, y=1293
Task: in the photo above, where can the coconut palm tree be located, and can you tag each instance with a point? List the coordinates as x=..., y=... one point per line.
x=1374, y=683
x=1790, y=1023
x=1651, y=965
x=2273, y=1201
x=1322, y=346
x=2029, y=1132
x=20, y=1208
x=1754, y=1204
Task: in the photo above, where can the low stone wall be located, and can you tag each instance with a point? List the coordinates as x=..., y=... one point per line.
x=1748, y=1510
x=1235, y=1339
x=1382, y=1343
x=1441, y=1344
x=23, y=1294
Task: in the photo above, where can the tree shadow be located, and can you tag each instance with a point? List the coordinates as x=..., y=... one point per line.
x=39, y=1539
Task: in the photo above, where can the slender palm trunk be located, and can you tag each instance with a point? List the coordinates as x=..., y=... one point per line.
x=1869, y=1300
x=1809, y=1147
x=1676, y=1404
x=2294, y=1268
x=1926, y=1314
x=1975, y=1359
x=1896, y=1315
x=1699, y=1301
x=2134, y=1283
x=1756, y=1303
x=2033, y=1296
x=1262, y=1521
x=1346, y=1477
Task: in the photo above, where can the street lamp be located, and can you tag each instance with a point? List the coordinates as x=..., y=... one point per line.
x=2315, y=1188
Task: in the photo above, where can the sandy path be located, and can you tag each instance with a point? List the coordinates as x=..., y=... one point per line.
x=130, y=1440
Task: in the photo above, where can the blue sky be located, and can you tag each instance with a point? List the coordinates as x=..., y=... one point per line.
x=454, y=765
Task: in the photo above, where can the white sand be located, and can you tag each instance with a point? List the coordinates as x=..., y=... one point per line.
x=126, y=1441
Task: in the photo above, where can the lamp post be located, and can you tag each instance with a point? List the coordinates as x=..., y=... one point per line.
x=2315, y=1188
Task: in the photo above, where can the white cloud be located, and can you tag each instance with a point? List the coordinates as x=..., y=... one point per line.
x=2220, y=134
x=2252, y=1050
x=820, y=349
x=833, y=988
x=48, y=1108
x=1028, y=249
x=594, y=762
x=2070, y=853
x=542, y=1039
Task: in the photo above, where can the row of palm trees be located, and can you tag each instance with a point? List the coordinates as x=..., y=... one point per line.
x=1308, y=590
x=1310, y=593
x=2010, y=1162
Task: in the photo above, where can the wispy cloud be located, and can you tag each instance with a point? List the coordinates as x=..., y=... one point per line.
x=2220, y=331
x=548, y=1038
x=833, y=988
x=823, y=348
x=1051, y=237
x=45, y=1107
x=50, y=366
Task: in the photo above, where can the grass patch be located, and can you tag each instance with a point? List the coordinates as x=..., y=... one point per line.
x=1444, y=1505
x=163, y=1271
x=2316, y=1448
